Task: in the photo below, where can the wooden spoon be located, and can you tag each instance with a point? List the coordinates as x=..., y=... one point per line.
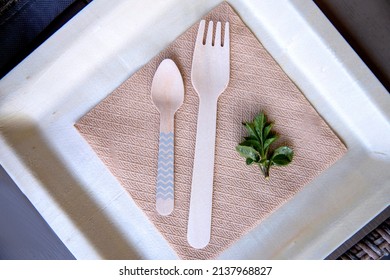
x=167, y=95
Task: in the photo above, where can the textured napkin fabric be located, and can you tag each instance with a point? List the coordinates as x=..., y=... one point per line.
x=124, y=130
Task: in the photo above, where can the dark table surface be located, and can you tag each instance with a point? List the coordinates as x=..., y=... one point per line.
x=25, y=235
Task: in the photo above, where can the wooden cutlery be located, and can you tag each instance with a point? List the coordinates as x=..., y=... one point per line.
x=210, y=77
x=167, y=95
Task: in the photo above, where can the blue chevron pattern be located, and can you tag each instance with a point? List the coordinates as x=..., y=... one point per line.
x=165, y=167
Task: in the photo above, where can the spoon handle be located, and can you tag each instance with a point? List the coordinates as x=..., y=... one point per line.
x=165, y=167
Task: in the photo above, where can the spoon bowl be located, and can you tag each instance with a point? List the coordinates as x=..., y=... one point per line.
x=167, y=87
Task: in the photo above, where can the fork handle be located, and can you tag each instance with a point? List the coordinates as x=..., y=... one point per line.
x=199, y=221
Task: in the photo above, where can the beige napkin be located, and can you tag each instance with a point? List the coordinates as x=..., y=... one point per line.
x=123, y=130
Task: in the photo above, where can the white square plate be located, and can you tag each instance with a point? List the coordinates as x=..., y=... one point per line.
x=42, y=98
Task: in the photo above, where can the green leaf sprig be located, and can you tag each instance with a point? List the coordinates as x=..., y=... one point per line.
x=256, y=147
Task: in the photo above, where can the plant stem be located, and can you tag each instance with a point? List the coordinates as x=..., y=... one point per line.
x=265, y=170
x=266, y=173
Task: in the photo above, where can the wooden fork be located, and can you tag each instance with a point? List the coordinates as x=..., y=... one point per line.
x=210, y=77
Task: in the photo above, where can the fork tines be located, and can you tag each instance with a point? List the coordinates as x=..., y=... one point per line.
x=210, y=40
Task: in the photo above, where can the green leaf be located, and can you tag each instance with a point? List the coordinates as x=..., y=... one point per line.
x=255, y=148
x=282, y=156
x=252, y=143
x=259, y=122
x=251, y=130
x=248, y=152
x=251, y=138
x=267, y=130
x=269, y=141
